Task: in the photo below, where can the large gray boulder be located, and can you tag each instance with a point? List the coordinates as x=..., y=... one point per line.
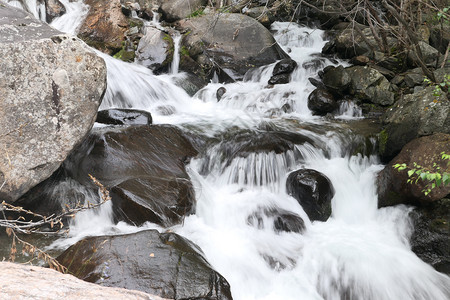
x=51, y=86
x=413, y=116
x=173, y=10
x=31, y=282
x=234, y=42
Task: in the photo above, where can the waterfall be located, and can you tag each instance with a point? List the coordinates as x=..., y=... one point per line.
x=176, y=53
x=361, y=252
x=69, y=22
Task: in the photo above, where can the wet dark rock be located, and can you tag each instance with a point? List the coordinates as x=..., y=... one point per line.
x=278, y=219
x=336, y=79
x=48, y=101
x=425, y=151
x=321, y=102
x=279, y=79
x=413, y=116
x=285, y=66
x=431, y=237
x=313, y=190
x=282, y=71
x=316, y=83
x=315, y=64
x=164, y=264
x=190, y=83
x=234, y=42
x=143, y=167
x=220, y=92
x=245, y=142
x=122, y=116
x=53, y=9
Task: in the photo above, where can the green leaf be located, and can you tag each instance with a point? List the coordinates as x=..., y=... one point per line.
x=411, y=172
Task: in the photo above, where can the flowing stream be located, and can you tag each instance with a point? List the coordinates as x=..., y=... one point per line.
x=361, y=252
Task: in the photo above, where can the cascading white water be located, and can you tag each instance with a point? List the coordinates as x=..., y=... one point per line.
x=36, y=8
x=176, y=53
x=69, y=22
x=361, y=252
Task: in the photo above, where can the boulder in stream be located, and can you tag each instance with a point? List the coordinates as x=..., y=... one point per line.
x=278, y=219
x=234, y=42
x=164, y=264
x=393, y=187
x=154, y=49
x=321, y=102
x=105, y=25
x=313, y=190
x=143, y=167
x=282, y=71
x=122, y=116
x=174, y=10
x=49, y=100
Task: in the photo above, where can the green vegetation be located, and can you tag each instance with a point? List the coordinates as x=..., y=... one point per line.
x=440, y=87
x=199, y=12
x=433, y=177
x=383, y=137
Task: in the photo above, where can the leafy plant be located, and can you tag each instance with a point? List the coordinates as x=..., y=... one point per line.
x=434, y=178
x=440, y=87
x=199, y=12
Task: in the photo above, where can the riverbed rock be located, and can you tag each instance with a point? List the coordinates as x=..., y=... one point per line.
x=321, y=102
x=313, y=190
x=413, y=116
x=282, y=71
x=431, y=235
x=164, y=264
x=49, y=100
x=393, y=187
x=336, y=79
x=429, y=55
x=174, y=10
x=144, y=169
x=53, y=9
x=278, y=219
x=31, y=282
x=369, y=85
x=235, y=42
x=349, y=43
x=122, y=116
x=105, y=25
x=154, y=50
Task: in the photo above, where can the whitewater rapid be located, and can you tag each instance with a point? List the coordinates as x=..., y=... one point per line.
x=361, y=252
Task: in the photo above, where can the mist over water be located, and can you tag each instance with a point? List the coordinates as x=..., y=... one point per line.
x=361, y=252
